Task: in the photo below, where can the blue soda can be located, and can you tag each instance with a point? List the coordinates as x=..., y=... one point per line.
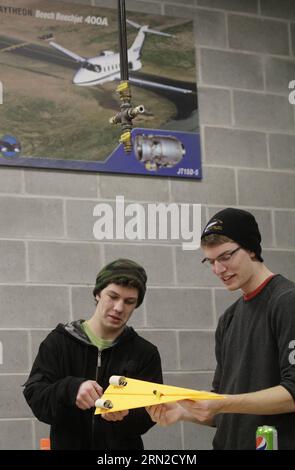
x=266, y=438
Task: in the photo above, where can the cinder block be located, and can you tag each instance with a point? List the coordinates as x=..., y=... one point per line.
x=83, y=306
x=159, y=438
x=179, y=308
x=64, y=263
x=259, y=35
x=187, y=2
x=59, y=183
x=198, y=437
x=264, y=221
x=254, y=189
x=10, y=180
x=279, y=72
x=166, y=344
x=133, y=188
x=191, y=272
x=37, y=336
x=84, y=2
x=231, y=69
x=12, y=256
x=235, y=147
x=281, y=150
x=16, y=435
x=224, y=298
x=41, y=430
x=186, y=11
x=31, y=217
x=214, y=106
x=210, y=28
x=156, y=260
x=12, y=401
x=262, y=111
x=201, y=341
x=194, y=380
x=208, y=191
x=281, y=262
x=33, y=306
x=15, y=354
x=246, y=6
x=285, y=228
x=153, y=8
x=293, y=38
x=137, y=319
x=80, y=219
x=102, y=3
x=281, y=9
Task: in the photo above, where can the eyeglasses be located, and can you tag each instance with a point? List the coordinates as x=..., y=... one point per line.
x=223, y=259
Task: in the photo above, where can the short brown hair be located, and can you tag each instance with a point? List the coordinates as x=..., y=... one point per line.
x=215, y=240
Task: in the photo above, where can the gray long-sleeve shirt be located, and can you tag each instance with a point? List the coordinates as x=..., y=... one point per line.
x=255, y=350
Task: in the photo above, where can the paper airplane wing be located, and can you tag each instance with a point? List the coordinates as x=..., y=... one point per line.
x=132, y=393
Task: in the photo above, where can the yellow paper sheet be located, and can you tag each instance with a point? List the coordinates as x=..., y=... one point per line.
x=138, y=394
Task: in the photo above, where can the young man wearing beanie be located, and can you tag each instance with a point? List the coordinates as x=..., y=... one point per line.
x=76, y=360
x=255, y=342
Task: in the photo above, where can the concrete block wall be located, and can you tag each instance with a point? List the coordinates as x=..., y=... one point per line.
x=49, y=258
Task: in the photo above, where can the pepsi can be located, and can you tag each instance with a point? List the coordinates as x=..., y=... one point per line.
x=266, y=438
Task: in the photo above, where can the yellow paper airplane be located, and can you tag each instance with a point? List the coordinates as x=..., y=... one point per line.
x=125, y=394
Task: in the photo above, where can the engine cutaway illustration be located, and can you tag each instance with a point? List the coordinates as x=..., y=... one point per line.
x=158, y=151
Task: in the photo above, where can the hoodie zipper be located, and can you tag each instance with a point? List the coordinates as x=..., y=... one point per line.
x=98, y=366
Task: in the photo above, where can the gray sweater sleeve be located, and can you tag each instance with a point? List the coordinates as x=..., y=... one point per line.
x=283, y=326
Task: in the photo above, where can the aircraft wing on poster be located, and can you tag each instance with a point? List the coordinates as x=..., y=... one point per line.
x=105, y=67
x=59, y=65
x=124, y=393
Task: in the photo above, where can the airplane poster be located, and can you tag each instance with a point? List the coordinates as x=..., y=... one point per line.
x=59, y=70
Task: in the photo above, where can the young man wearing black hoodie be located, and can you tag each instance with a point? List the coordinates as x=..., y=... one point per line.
x=76, y=360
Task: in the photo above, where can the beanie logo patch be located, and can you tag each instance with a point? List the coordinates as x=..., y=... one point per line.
x=214, y=226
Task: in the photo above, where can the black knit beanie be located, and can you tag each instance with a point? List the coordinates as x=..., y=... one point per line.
x=239, y=225
x=122, y=270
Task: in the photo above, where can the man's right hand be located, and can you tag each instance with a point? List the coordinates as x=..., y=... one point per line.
x=166, y=414
x=89, y=391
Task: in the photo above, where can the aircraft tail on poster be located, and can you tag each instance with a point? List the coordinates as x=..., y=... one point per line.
x=135, y=49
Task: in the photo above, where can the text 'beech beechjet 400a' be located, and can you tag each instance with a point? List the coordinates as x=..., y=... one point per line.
x=106, y=66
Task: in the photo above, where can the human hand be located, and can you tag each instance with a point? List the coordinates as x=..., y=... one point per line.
x=89, y=391
x=166, y=414
x=115, y=416
x=202, y=410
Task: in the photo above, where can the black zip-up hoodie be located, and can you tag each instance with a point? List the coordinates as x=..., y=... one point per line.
x=66, y=358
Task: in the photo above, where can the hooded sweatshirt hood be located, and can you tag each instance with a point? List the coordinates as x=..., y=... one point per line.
x=75, y=329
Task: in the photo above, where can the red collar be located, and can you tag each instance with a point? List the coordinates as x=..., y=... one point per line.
x=258, y=289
